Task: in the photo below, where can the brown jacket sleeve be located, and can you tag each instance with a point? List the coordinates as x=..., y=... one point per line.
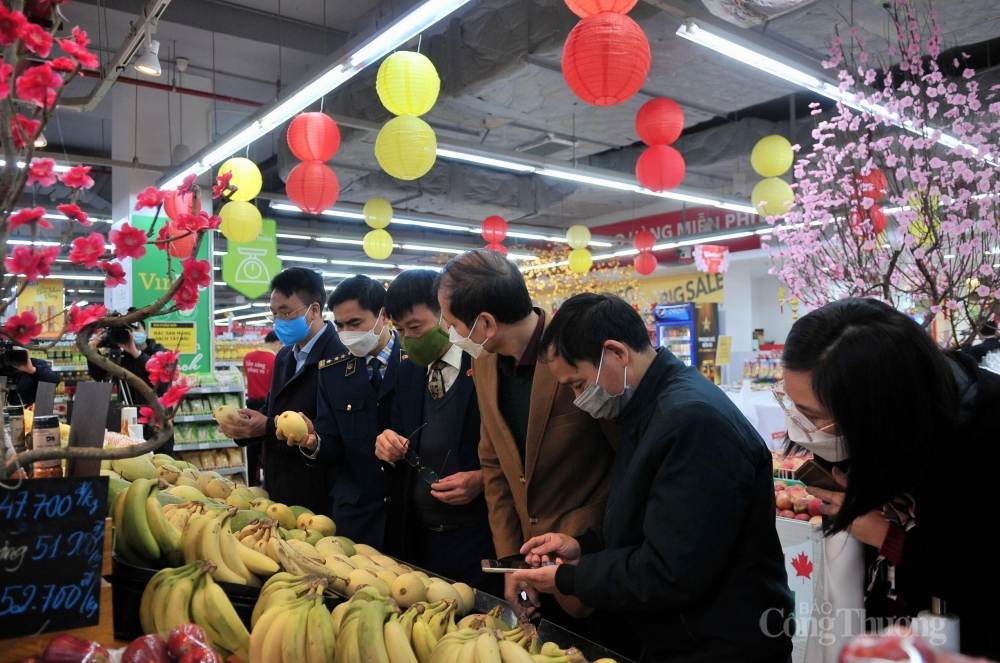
x=504, y=520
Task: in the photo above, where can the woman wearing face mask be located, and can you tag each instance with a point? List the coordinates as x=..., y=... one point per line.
x=870, y=391
x=688, y=559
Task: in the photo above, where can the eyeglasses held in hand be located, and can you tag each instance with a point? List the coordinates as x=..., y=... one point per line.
x=411, y=457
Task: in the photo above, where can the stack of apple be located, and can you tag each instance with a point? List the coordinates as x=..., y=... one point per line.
x=779, y=461
x=792, y=501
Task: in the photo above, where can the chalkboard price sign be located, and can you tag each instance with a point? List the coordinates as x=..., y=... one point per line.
x=51, y=551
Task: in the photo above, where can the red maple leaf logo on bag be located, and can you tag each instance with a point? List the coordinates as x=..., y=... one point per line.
x=803, y=567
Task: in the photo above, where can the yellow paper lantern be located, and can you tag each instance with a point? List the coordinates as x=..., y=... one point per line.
x=580, y=260
x=246, y=178
x=241, y=221
x=578, y=237
x=378, y=212
x=406, y=147
x=774, y=194
x=407, y=83
x=772, y=156
x=378, y=244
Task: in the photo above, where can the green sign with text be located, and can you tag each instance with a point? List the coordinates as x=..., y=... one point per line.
x=150, y=280
x=248, y=267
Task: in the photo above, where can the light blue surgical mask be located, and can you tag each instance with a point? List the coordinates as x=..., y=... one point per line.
x=139, y=338
x=291, y=331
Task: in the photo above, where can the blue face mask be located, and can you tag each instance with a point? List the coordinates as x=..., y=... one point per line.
x=139, y=338
x=292, y=331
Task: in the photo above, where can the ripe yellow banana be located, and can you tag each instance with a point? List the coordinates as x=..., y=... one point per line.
x=230, y=548
x=191, y=537
x=147, y=603
x=397, y=645
x=134, y=520
x=406, y=621
x=423, y=641
x=249, y=530
x=257, y=564
x=293, y=640
x=167, y=536
x=371, y=638
x=337, y=616
x=439, y=624
x=177, y=603
x=209, y=548
x=271, y=650
x=160, y=595
x=467, y=653
x=511, y=652
x=487, y=650
x=202, y=615
x=320, y=642
x=347, y=642
x=235, y=637
x=260, y=631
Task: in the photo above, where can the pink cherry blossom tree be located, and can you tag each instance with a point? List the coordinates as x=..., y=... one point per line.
x=36, y=66
x=898, y=198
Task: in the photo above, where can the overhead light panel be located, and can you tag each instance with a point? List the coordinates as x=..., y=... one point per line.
x=302, y=259
x=149, y=62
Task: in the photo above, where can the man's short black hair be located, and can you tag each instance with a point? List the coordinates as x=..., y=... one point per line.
x=307, y=284
x=409, y=289
x=484, y=281
x=271, y=337
x=369, y=293
x=584, y=322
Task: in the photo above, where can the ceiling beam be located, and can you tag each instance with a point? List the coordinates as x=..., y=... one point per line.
x=237, y=20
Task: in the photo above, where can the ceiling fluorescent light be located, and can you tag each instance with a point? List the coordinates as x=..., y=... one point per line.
x=485, y=161
x=332, y=76
x=302, y=259
x=58, y=168
x=342, y=214
x=347, y=275
x=219, y=283
x=242, y=307
x=590, y=179
x=339, y=240
x=364, y=263
x=433, y=224
x=291, y=236
x=432, y=249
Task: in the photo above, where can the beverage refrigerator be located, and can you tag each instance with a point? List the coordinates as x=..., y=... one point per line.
x=675, y=329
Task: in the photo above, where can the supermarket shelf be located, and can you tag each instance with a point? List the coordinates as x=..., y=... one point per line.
x=193, y=419
x=205, y=446
x=68, y=369
x=229, y=364
x=196, y=391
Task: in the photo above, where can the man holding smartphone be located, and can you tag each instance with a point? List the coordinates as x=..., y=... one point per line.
x=688, y=557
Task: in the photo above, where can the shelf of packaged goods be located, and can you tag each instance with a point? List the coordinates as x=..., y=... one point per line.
x=193, y=419
x=229, y=364
x=229, y=470
x=68, y=369
x=678, y=340
x=198, y=391
x=205, y=446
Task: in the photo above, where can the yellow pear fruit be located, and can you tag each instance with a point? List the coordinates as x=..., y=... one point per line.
x=258, y=492
x=131, y=469
x=419, y=574
x=387, y=576
x=363, y=561
x=406, y=569
x=300, y=522
x=240, y=498
x=184, y=481
x=328, y=547
x=109, y=473
x=340, y=557
x=383, y=560
x=427, y=581
x=342, y=571
x=407, y=589
x=282, y=514
x=168, y=473
x=367, y=551
x=217, y=489
x=226, y=413
x=188, y=493
x=261, y=503
x=323, y=524
x=442, y=590
x=362, y=577
x=162, y=459
x=291, y=423
x=468, y=598
x=188, y=473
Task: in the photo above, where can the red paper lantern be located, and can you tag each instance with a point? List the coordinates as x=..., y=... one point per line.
x=874, y=185
x=877, y=217
x=643, y=240
x=874, y=215
x=660, y=168
x=645, y=263
x=494, y=229
x=313, y=137
x=499, y=248
x=312, y=187
x=659, y=122
x=606, y=59
x=175, y=204
x=183, y=247
x=585, y=8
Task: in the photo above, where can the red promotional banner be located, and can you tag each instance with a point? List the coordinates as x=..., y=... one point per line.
x=711, y=258
x=672, y=226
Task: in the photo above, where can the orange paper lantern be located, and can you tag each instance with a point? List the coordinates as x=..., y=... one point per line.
x=312, y=187
x=313, y=137
x=645, y=263
x=606, y=59
x=494, y=229
x=585, y=8
x=180, y=248
x=659, y=122
x=175, y=204
x=660, y=168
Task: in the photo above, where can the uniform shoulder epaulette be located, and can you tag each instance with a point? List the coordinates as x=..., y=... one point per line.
x=339, y=359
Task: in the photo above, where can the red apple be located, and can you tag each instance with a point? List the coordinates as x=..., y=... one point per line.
x=785, y=513
x=201, y=655
x=801, y=505
x=185, y=638
x=147, y=649
x=816, y=520
x=781, y=484
x=783, y=501
x=787, y=464
x=802, y=516
x=814, y=506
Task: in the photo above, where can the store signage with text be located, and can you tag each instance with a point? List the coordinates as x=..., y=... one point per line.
x=46, y=299
x=684, y=288
x=182, y=336
x=693, y=221
x=248, y=267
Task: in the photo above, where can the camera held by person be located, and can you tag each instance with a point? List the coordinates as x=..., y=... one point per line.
x=17, y=366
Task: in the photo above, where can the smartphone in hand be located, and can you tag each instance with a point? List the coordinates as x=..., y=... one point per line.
x=812, y=473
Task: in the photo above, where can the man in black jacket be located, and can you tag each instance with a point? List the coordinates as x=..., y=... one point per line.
x=991, y=343
x=688, y=553
x=297, y=298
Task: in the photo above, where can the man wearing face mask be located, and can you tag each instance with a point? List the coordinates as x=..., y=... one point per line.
x=688, y=552
x=437, y=481
x=297, y=296
x=546, y=463
x=354, y=405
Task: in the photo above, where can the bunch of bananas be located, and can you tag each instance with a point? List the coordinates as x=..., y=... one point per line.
x=291, y=623
x=180, y=514
x=263, y=538
x=208, y=537
x=189, y=594
x=143, y=534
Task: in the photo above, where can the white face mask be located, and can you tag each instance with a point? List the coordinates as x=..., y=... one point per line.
x=598, y=403
x=828, y=447
x=466, y=343
x=361, y=343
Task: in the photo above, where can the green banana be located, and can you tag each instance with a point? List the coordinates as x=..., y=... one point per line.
x=167, y=536
x=321, y=643
x=293, y=640
x=347, y=642
x=134, y=520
